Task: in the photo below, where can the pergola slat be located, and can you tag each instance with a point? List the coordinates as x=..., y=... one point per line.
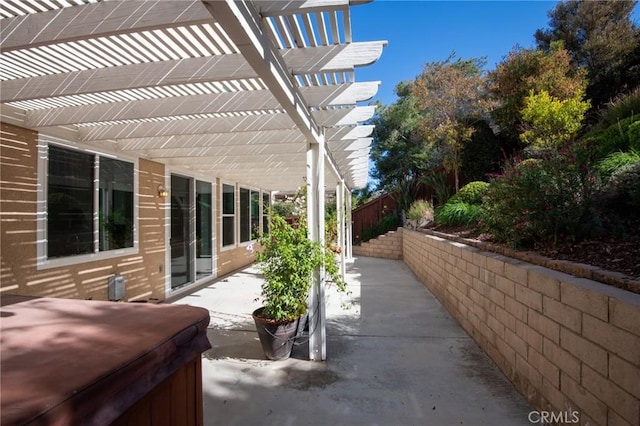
x=77, y=23
x=193, y=70
x=198, y=104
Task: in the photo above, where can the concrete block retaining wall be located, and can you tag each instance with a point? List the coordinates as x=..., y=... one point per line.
x=387, y=246
x=568, y=344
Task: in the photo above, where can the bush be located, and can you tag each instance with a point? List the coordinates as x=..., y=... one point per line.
x=471, y=193
x=543, y=200
x=482, y=154
x=616, y=161
x=614, y=138
x=458, y=213
x=622, y=192
x=420, y=211
x=624, y=107
x=633, y=133
x=386, y=224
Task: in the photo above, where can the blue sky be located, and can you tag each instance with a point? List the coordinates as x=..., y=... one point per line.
x=424, y=31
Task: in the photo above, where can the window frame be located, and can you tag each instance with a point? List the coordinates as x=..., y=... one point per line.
x=233, y=215
x=42, y=261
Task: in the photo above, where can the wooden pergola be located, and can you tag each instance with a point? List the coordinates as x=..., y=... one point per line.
x=258, y=91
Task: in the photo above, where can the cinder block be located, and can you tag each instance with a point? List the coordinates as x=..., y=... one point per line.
x=615, y=340
x=625, y=375
x=625, y=314
x=506, y=318
x=585, y=401
x=614, y=419
x=528, y=297
x=561, y=358
x=549, y=371
x=588, y=352
x=563, y=314
x=586, y=300
x=515, y=271
x=616, y=398
x=544, y=326
x=495, y=263
x=544, y=281
x=533, y=376
x=515, y=308
x=516, y=343
x=532, y=337
x=505, y=285
x=479, y=259
x=507, y=351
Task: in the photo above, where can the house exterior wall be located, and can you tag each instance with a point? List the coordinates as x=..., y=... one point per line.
x=568, y=344
x=144, y=272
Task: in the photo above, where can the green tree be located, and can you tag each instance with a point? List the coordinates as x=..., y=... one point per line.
x=602, y=38
x=551, y=122
x=399, y=152
x=524, y=70
x=450, y=97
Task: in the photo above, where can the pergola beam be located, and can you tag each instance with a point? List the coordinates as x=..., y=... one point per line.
x=242, y=23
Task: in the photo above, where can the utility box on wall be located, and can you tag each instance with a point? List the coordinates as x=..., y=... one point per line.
x=116, y=288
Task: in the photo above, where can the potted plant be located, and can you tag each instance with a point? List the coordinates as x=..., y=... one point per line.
x=288, y=260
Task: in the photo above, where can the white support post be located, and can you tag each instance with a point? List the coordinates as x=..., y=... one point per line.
x=341, y=228
x=315, y=222
x=349, y=233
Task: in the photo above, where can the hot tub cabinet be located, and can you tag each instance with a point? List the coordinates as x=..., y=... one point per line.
x=75, y=362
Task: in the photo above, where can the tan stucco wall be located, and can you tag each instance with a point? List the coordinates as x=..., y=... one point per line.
x=144, y=272
x=230, y=260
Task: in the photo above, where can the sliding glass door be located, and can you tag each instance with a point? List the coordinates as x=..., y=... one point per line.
x=191, y=230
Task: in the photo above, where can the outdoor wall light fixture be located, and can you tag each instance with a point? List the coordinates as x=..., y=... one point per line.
x=162, y=191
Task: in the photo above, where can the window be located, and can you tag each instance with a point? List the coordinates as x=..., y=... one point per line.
x=245, y=215
x=204, y=232
x=265, y=212
x=249, y=214
x=116, y=204
x=228, y=215
x=72, y=209
x=255, y=214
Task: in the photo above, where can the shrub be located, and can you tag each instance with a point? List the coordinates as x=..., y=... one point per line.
x=614, y=138
x=540, y=201
x=623, y=107
x=616, y=161
x=622, y=192
x=420, y=211
x=471, y=193
x=633, y=133
x=386, y=224
x=458, y=213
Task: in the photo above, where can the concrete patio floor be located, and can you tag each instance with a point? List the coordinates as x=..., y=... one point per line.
x=394, y=357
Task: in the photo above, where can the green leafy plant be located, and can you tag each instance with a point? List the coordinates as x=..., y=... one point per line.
x=441, y=188
x=471, y=193
x=552, y=122
x=616, y=161
x=458, y=213
x=633, y=133
x=288, y=259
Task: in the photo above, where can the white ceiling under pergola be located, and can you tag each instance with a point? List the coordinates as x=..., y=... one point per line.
x=186, y=83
